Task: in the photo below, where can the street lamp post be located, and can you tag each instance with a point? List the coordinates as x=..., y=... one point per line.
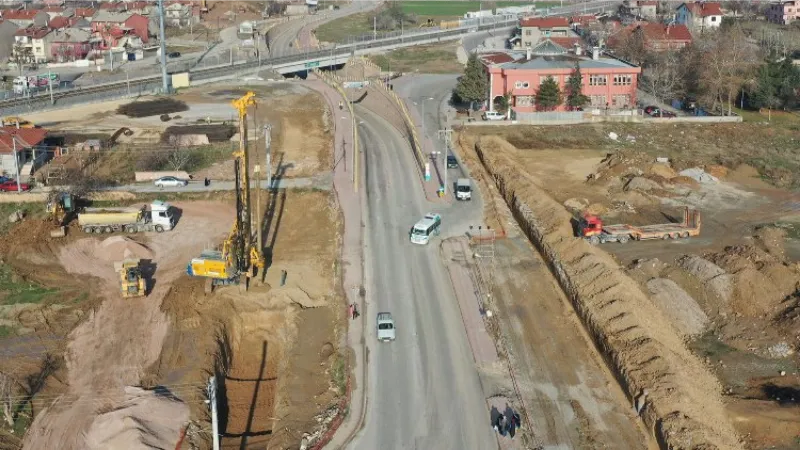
x=16, y=156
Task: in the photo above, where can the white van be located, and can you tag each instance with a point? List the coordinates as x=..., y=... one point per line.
x=493, y=115
x=422, y=231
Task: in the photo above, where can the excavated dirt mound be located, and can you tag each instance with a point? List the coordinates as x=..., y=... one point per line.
x=147, y=419
x=680, y=398
x=762, y=278
x=682, y=310
x=712, y=275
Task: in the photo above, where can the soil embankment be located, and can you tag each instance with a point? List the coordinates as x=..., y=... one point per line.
x=679, y=398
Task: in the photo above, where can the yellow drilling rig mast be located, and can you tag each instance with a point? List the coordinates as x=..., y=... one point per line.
x=240, y=254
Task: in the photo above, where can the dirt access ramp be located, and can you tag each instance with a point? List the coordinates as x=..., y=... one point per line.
x=679, y=399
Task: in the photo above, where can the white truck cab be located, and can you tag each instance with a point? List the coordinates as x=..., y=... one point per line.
x=385, y=327
x=463, y=189
x=422, y=231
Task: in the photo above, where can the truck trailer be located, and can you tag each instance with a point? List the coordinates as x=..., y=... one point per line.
x=591, y=228
x=157, y=218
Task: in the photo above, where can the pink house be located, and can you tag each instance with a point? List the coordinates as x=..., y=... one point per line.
x=608, y=82
x=783, y=13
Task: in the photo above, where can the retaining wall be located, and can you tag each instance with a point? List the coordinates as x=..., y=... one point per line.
x=678, y=398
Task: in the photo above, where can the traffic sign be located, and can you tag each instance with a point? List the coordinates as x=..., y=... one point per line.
x=312, y=64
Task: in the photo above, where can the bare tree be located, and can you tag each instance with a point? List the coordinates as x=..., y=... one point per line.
x=728, y=61
x=631, y=47
x=179, y=156
x=21, y=55
x=663, y=76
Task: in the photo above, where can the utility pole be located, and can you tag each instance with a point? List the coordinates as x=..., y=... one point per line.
x=375, y=28
x=267, y=150
x=163, y=38
x=211, y=391
x=50, y=85
x=447, y=134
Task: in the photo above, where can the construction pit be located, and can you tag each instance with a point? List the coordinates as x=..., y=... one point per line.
x=701, y=334
x=94, y=370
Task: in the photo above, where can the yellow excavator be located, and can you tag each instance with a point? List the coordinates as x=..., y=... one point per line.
x=240, y=255
x=60, y=207
x=132, y=282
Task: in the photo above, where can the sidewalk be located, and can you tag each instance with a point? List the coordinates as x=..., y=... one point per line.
x=458, y=258
x=350, y=203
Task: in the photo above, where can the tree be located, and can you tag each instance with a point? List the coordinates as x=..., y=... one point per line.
x=632, y=47
x=663, y=77
x=775, y=85
x=548, y=97
x=473, y=85
x=21, y=55
x=179, y=156
x=575, y=97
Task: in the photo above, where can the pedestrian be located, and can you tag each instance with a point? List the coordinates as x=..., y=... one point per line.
x=355, y=311
x=341, y=105
x=351, y=310
x=206, y=182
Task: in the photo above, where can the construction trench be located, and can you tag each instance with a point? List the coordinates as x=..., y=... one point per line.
x=676, y=396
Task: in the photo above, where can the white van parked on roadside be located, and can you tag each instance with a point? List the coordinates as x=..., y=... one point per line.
x=422, y=231
x=493, y=115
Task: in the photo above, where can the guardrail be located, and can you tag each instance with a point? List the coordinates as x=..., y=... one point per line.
x=152, y=83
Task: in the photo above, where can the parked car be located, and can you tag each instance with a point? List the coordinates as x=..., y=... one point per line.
x=657, y=112
x=174, y=54
x=4, y=179
x=11, y=186
x=452, y=162
x=493, y=115
x=649, y=109
x=170, y=182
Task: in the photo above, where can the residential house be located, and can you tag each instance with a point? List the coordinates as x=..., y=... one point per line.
x=35, y=42
x=608, y=82
x=535, y=29
x=647, y=9
x=656, y=37
x=699, y=16
x=7, y=30
x=70, y=44
x=111, y=27
x=139, y=7
x=57, y=11
x=110, y=6
x=26, y=18
x=23, y=143
x=178, y=14
x=783, y=13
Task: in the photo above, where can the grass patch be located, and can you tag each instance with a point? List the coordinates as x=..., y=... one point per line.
x=340, y=30
x=29, y=209
x=14, y=290
x=339, y=373
x=119, y=166
x=6, y=331
x=437, y=58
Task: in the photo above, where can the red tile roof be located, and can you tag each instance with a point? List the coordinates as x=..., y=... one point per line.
x=566, y=42
x=28, y=14
x=496, y=58
x=33, y=32
x=544, y=22
x=84, y=12
x=655, y=33
x=705, y=9
x=58, y=22
x=53, y=9
x=24, y=137
x=583, y=19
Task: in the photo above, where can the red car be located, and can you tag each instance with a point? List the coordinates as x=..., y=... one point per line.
x=11, y=186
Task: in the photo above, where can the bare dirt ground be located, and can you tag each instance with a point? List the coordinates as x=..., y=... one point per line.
x=736, y=283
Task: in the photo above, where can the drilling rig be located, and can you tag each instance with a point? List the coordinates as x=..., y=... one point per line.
x=239, y=255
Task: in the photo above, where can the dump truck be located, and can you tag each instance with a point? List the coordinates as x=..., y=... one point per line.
x=591, y=228
x=132, y=282
x=130, y=220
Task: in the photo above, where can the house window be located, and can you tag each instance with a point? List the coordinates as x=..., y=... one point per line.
x=623, y=80
x=524, y=100
x=621, y=101
x=528, y=32
x=546, y=33
x=598, y=101
x=597, y=80
x=521, y=85
x=713, y=18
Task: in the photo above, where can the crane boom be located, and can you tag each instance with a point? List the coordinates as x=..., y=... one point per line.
x=239, y=254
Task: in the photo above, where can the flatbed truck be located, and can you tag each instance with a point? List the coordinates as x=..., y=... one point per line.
x=591, y=228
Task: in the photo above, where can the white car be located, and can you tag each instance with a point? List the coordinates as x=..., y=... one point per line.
x=170, y=182
x=493, y=115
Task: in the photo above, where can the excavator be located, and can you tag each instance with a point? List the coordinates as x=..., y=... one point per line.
x=60, y=207
x=131, y=280
x=240, y=255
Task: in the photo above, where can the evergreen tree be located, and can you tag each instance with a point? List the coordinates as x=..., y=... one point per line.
x=776, y=85
x=575, y=97
x=474, y=84
x=548, y=97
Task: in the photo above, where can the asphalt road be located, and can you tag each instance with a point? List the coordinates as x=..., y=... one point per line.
x=423, y=390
